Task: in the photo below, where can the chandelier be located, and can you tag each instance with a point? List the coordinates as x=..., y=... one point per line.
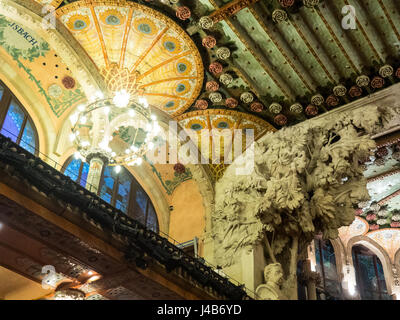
x=118, y=130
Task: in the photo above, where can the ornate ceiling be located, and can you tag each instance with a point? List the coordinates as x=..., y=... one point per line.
x=149, y=51
x=263, y=64
x=297, y=53
x=379, y=218
x=281, y=61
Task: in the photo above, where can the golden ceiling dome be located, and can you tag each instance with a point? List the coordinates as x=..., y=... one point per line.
x=154, y=55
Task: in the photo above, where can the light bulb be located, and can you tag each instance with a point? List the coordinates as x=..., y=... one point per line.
x=134, y=148
x=117, y=169
x=83, y=120
x=99, y=95
x=122, y=98
x=85, y=143
x=77, y=155
x=72, y=137
x=156, y=128
x=73, y=118
x=103, y=145
x=113, y=154
x=143, y=101
x=131, y=112
x=139, y=161
x=81, y=107
x=127, y=151
x=153, y=117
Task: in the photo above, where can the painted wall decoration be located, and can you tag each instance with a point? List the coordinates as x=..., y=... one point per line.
x=170, y=185
x=34, y=57
x=155, y=55
x=222, y=120
x=54, y=3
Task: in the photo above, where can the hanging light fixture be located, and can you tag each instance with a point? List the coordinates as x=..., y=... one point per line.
x=119, y=130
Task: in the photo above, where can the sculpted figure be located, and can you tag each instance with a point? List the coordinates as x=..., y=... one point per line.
x=271, y=290
x=307, y=179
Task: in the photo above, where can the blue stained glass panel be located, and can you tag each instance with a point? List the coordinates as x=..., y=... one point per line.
x=13, y=122
x=108, y=185
x=152, y=222
x=72, y=170
x=28, y=139
x=124, y=188
x=326, y=267
x=85, y=171
x=140, y=208
x=370, y=276
x=329, y=260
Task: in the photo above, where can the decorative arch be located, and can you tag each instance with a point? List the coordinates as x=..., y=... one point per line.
x=121, y=190
x=28, y=13
x=397, y=259
x=27, y=98
x=16, y=122
x=380, y=253
x=340, y=256
x=60, y=39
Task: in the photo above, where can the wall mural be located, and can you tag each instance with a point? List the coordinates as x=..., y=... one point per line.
x=30, y=54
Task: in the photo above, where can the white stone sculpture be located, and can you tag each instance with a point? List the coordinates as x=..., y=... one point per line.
x=306, y=179
x=271, y=290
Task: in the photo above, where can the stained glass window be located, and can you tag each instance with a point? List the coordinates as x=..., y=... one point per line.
x=121, y=190
x=326, y=267
x=369, y=275
x=152, y=222
x=141, y=205
x=15, y=121
x=77, y=170
x=107, y=186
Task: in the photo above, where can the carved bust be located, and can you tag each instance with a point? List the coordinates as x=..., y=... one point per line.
x=271, y=290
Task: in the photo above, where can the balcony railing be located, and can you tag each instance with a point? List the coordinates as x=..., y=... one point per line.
x=142, y=243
